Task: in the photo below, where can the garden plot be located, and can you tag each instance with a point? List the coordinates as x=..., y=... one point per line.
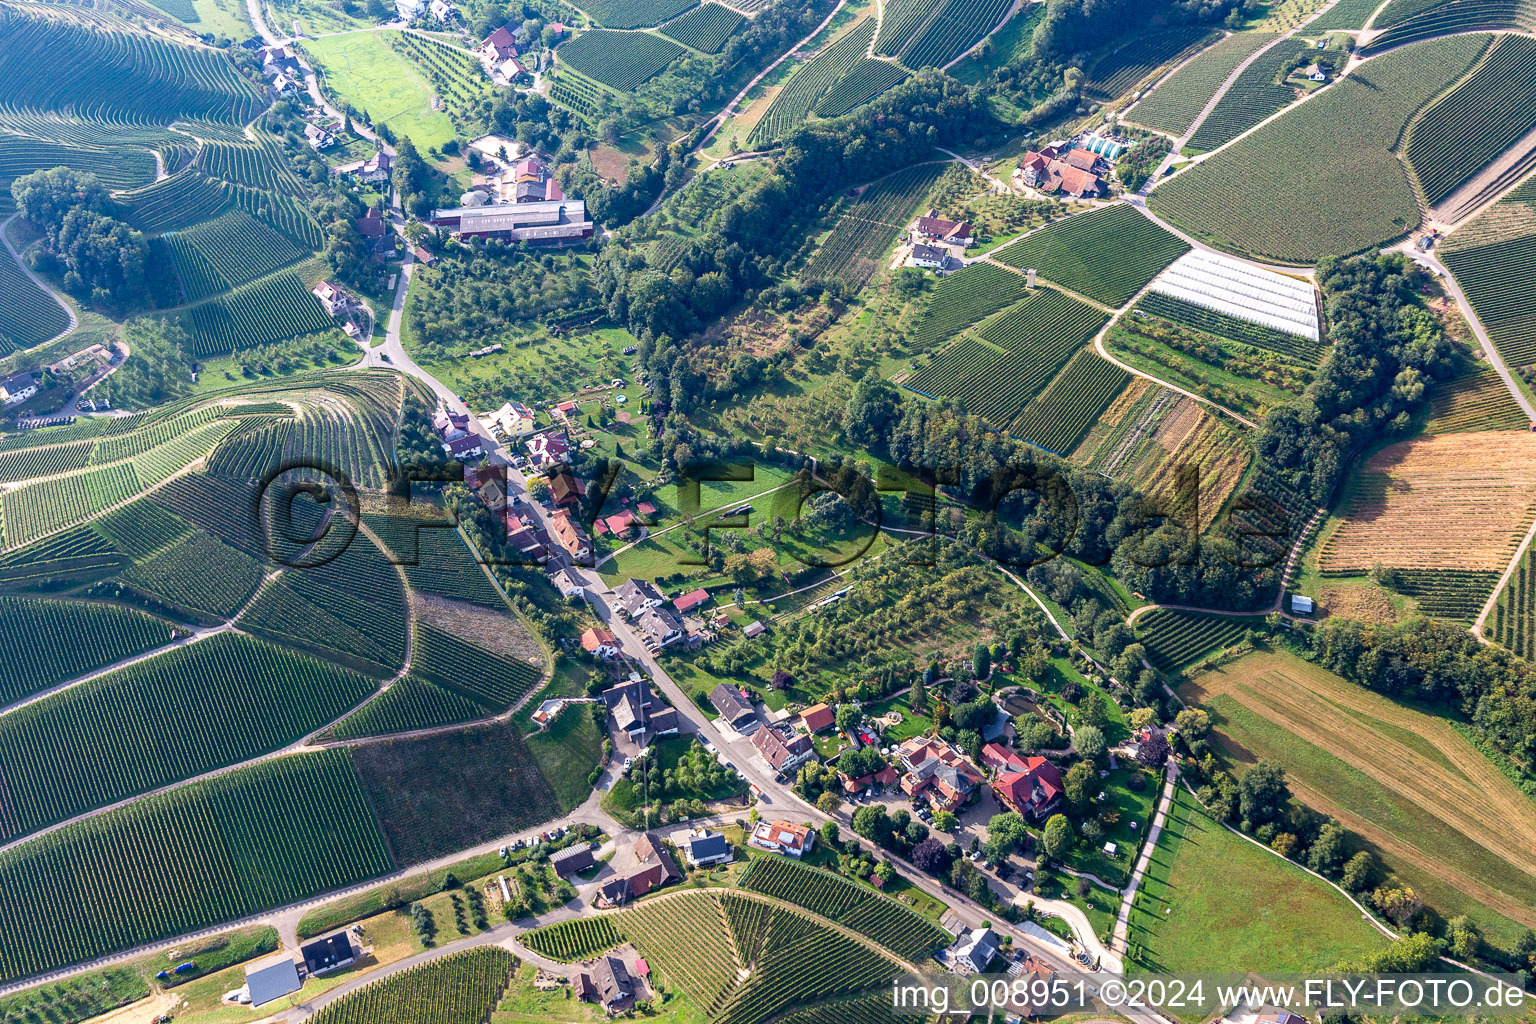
x=1242, y=290
x=1414, y=496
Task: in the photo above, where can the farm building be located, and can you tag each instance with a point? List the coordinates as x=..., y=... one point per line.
x=1301, y=605
x=1231, y=286
x=655, y=869
x=328, y=954
x=690, y=601
x=930, y=257
x=554, y=220
x=753, y=628
x=498, y=46
x=1109, y=149
x=17, y=388
x=572, y=859
x=783, y=837
x=271, y=979
x=817, y=717
x=936, y=230
x=611, y=985
x=377, y=168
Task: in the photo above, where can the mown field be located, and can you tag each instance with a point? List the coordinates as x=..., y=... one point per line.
x=363, y=69
x=1269, y=196
x=1270, y=915
x=1432, y=806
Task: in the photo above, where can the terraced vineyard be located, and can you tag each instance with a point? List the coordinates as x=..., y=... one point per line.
x=1461, y=133
x=573, y=941
x=110, y=738
x=121, y=168
x=1258, y=92
x=185, y=198
x=1068, y=407
x=1117, y=72
x=810, y=83
x=461, y=988
x=962, y=299
x=622, y=61
x=1500, y=281
x=1344, y=14
x=1455, y=16
x=1512, y=623
x=1475, y=400
x=254, y=165
x=705, y=28
x=1176, y=639
x=271, y=309
x=26, y=463
x=1266, y=195
x=870, y=225
x=52, y=503
x=29, y=316
x=845, y=901
x=900, y=24
x=636, y=13
x=491, y=680
x=198, y=855
x=1107, y=254
x=955, y=27
x=1174, y=103
x=230, y=250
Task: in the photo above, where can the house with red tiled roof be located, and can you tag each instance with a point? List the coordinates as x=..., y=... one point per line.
x=498, y=46
x=1033, y=790
x=783, y=748
x=1050, y=174
x=600, y=643
x=565, y=490
x=570, y=534
x=886, y=776
x=938, y=772
x=938, y=231
x=688, y=602
x=997, y=759
x=1085, y=160
x=783, y=837
x=817, y=717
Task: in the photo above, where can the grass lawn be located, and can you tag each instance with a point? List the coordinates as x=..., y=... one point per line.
x=567, y=752
x=1132, y=807
x=222, y=18
x=912, y=723
x=1100, y=904
x=1431, y=806
x=1212, y=901
x=361, y=68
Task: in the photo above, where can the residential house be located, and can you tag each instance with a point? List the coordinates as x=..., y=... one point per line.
x=492, y=496
x=600, y=643
x=565, y=490
x=664, y=722
x=690, y=601
x=318, y=138
x=938, y=772
x=410, y=10
x=443, y=11
x=548, y=449
x=999, y=760
x=619, y=524
x=526, y=537
x=1316, y=73
x=782, y=747
x=467, y=446
x=271, y=979
x=282, y=84
x=514, y=419
x=570, y=535
x=328, y=954
x=572, y=859
x=938, y=231
x=734, y=707
x=569, y=586
x=609, y=985
x=17, y=388
x=703, y=847
x=1033, y=789
x=817, y=717
x=636, y=596
x=661, y=626
x=636, y=689
x=278, y=59
x=377, y=168
x=975, y=950
x=1029, y=1000
x=783, y=837
x=933, y=258
x=333, y=298
x=422, y=256
x=446, y=419
x=375, y=232
x=498, y=46
x=886, y=776
x=655, y=870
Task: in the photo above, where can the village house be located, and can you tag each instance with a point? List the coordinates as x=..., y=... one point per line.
x=17, y=388
x=783, y=837
x=318, y=138
x=937, y=231
x=497, y=46
x=376, y=169
x=655, y=869
x=526, y=537
x=734, y=708
x=600, y=643
x=566, y=582
x=528, y=180
x=565, y=490
x=422, y=256
x=1029, y=999
x=282, y=84
x=619, y=524
x=689, y=602
x=938, y=772
x=975, y=950
x=514, y=419
x=572, y=859
x=466, y=446
x=443, y=11
x=782, y=747
x=375, y=232
x=661, y=627
x=278, y=59
x=510, y=69
x=570, y=535
x=1315, y=73
x=548, y=449
x=636, y=596
x=609, y=985
x=703, y=847
x=492, y=495
x=410, y=10
x=333, y=298
x=817, y=717
x=886, y=776
x=930, y=257
x=1031, y=786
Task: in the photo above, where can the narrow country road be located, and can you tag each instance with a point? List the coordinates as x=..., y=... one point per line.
x=1154, y=832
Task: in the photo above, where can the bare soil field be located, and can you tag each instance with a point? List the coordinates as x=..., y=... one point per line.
x=1436, y=810
x=1411, y=498
x=499, y=632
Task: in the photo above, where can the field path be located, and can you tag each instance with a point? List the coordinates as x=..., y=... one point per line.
x=1122, y=932
x=69, y=311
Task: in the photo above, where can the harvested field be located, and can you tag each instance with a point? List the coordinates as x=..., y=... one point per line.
x=1478, y=488
x=1440, y=813
x=1187, y=435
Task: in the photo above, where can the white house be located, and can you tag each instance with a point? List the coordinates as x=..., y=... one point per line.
x=783, y=837
x=318, y=137
x=976, y=949
x=1316, y=73
x=333, y=298
x=18, y=388
x=703, y=847
x=443, y=11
